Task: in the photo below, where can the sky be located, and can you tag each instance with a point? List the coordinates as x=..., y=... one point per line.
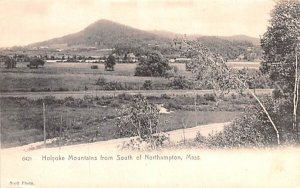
x=27, y=21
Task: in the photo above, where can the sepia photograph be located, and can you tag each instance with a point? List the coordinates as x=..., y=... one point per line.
x=150, y=93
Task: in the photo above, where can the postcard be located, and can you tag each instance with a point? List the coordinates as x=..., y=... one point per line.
x=149, y=93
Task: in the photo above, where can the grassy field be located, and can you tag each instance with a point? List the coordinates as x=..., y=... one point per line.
x=69, y=76
x=94, y=119
x=75, y=77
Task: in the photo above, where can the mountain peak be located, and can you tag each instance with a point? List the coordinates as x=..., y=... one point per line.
x=104, y=21
x=105, y=34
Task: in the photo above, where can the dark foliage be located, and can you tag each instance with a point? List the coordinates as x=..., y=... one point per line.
x=110, y=63
x=253, y=129
x=36, y=62
x=147, y=85
x=154, y=65
x=279, y=44
x=10, y=63
x=94, y=67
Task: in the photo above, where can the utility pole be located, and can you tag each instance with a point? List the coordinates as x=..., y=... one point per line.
x=44, y=117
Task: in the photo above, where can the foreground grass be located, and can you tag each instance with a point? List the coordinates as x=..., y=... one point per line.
x=90, y=119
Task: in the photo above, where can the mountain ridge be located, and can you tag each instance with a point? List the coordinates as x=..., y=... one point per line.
x=102, y=34
x=106, y=34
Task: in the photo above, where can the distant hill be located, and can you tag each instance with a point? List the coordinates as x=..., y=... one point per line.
x=253, y=40
x=105, y=34
x=232, y=47
x=233, y=38
x=165, y=34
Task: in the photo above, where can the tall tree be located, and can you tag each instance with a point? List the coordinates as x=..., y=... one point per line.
x=154, y=65
x=110, y=63
x=279, y=45
x=281, y=50
x=10, y=63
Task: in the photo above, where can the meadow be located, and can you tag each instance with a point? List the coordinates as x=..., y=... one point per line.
x=80, y=76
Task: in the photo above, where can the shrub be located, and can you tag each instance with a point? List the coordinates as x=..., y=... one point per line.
x=145, y=145
x=63, y=89
x=147, y=85
x=36, y=62
x=10, y=63
x=94, y=67
x=180, y=82
x=114, y=85
x=173, y=105
x=48, y=100
x=253, y=129
x=165, y=96
x=139, y=118
x=101, y=81
x=210, y=97
x=172, y=72
x=125, y=96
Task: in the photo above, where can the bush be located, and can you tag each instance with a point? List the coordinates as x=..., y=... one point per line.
x=63, y=89
x=165, y=96
x=147, y=85
x=94, y=67
x=145, y=145
x=180, y=82
x=172, y=72
x=48, y=100
x=114, y=85
x=101, y=81
x=125, y=96
x=210, y=97
x=253, y=129
x=173, y=105
x=139, y=118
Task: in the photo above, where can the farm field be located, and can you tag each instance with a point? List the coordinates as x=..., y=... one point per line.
x=77, y=77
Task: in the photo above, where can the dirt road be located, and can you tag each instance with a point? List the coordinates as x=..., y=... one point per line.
x=115, y=144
